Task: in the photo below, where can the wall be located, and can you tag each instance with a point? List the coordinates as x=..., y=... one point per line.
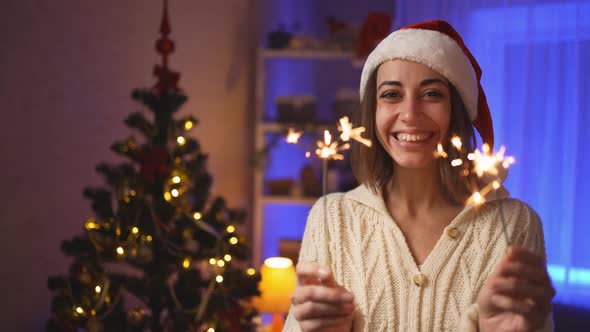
x=67, y=70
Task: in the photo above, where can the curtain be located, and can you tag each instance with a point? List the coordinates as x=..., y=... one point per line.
x=535, y=59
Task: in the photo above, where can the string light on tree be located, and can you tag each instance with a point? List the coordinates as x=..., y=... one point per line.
x=91, y=224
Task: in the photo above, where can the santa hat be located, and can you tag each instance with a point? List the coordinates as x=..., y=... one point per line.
x=437, y=45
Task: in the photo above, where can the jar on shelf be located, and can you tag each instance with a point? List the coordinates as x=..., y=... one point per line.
x=346, y=103
x=296, y=109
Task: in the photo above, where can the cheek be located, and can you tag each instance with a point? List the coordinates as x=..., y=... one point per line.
x=383, y=122
x=443, y=120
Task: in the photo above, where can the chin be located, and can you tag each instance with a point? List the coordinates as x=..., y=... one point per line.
x=413, y=161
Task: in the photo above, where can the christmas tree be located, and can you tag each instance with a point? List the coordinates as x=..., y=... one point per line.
x=157, y=239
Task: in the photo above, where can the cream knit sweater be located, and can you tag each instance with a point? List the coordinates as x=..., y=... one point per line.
x=369, y=256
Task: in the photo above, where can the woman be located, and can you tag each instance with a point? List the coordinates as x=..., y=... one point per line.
x=401, y=252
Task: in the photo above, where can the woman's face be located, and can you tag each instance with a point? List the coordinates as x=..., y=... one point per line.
x=413, y=111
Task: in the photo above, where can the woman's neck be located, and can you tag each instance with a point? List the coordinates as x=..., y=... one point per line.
x=415, y=190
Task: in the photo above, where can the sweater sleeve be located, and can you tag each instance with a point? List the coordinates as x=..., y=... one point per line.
x=528, y=233
x=532, y=238
x=312, y=249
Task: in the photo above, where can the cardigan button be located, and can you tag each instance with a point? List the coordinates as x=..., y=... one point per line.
x=419, y=279
x=452, y=232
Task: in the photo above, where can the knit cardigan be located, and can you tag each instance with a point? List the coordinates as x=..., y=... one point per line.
x=354, y=234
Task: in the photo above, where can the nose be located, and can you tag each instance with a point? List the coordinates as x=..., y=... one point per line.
x=410, y=110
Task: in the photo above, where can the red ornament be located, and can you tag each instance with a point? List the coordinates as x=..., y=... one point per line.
x=167, y=79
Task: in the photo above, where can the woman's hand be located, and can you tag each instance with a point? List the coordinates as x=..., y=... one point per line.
x=517, y=297
x=320, y=304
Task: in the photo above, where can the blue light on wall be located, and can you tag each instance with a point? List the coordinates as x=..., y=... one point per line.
x=283, y=221
x=535, y=81
x=285, y=77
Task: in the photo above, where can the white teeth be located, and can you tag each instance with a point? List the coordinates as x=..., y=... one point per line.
x=403, y=137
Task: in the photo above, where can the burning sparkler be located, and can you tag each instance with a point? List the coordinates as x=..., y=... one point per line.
x=485, y=166
x=349, y=132
x=329, y=149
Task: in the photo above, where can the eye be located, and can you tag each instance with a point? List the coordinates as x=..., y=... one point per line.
x=390, y=95
x=433, y=94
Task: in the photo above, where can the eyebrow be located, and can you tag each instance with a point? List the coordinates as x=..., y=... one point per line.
x=423, y=83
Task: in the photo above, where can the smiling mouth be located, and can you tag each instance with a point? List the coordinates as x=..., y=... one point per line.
x=412, y=137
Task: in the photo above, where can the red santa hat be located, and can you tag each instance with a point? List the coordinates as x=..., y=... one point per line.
x=437, y=45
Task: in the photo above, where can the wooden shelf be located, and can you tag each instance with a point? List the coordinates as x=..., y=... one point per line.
x=268, y=130
x=307, y=54
x=290, y=200
x=280, y=127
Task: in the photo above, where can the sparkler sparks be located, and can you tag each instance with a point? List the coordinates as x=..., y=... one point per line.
x=328, y=149
x=440, y=152
x=456, y=141
x=293, y=136
x=485, y=165
x=484, y=162
x=348, y=132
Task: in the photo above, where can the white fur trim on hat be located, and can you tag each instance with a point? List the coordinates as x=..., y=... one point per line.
x=433, y=49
